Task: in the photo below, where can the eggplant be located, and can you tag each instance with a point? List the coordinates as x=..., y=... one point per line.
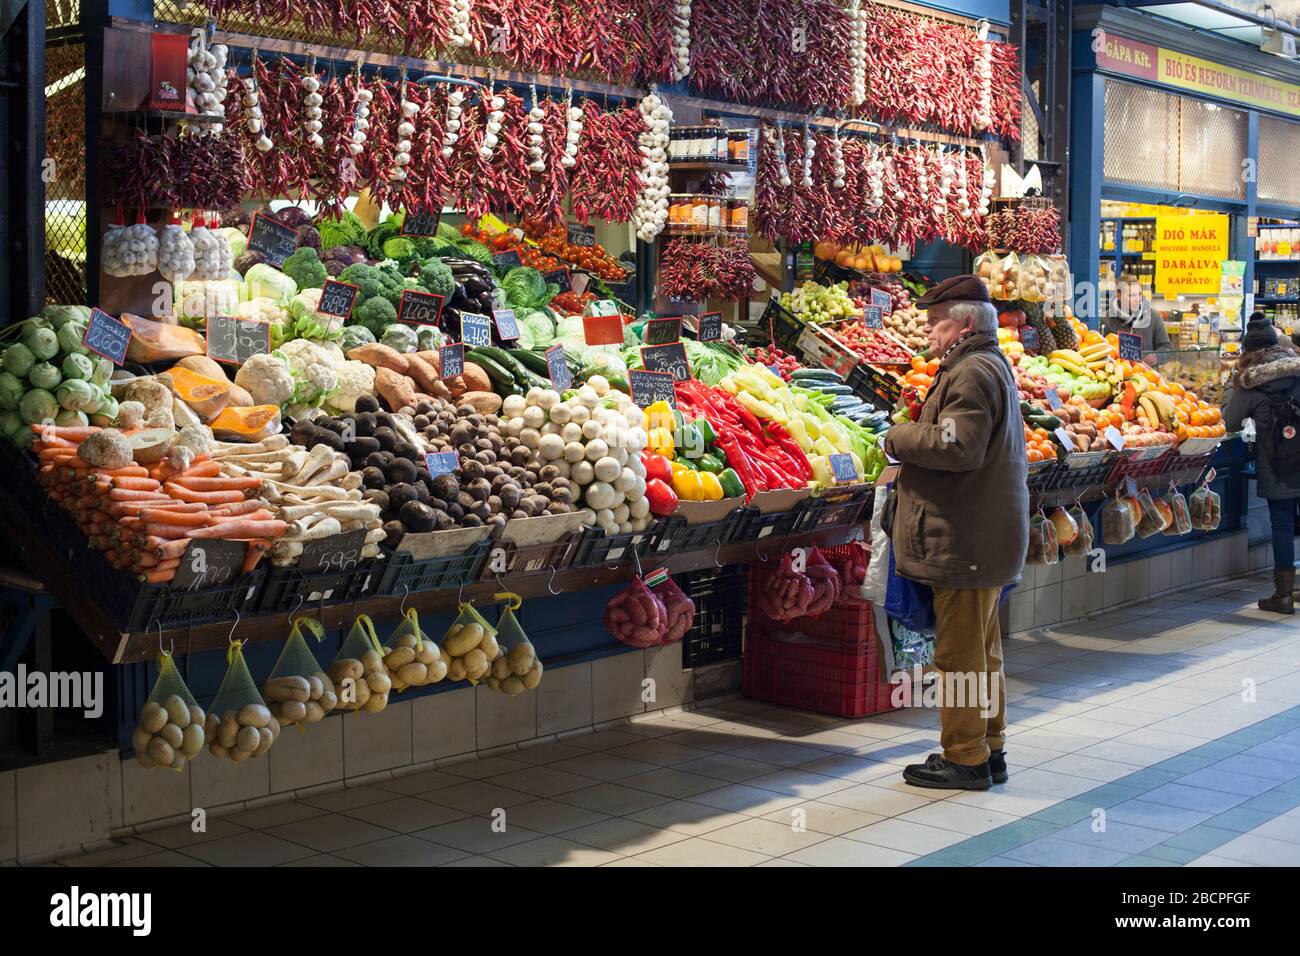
x=475, y=286
x=459, y=300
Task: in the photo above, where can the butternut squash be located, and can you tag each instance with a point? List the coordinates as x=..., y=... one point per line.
x=204, y=366
x=207, y=396
x=159, y=342
x=250, y=424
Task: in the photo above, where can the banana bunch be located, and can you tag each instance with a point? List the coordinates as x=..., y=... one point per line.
x=1071, y=361
x=1100, y=361
x=1158, y=409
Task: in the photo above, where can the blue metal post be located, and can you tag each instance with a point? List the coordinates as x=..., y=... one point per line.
x=1087, y=141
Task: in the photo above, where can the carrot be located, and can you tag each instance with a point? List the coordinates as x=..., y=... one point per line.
x=242, y=528
x=245, y=507
x=168, y=530
x=197, y=519
x=54, y=442
x=135, y=507
x=71, y=432
x=209, y=497
x=202, y=467
x=158, y=575
x=261, y=514
x=256, y=548
x=168, y=549
x=126, y=494
x=130, y=471
x=135, y=483
x=217, y=484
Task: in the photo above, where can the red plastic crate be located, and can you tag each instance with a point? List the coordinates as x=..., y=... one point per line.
x=848, y=625
x=808, y=674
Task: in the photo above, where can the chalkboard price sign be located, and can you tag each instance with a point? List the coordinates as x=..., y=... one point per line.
x=561, y=377
x=1053, y=399
x=1130, y=346
x=650, y=387
x=507, y=324
x=873, y=317
x=560, y=277
x=234, y=341
x=208, y=563
x=441, y=462
x=843, y=468
x=710, y=327
x=451, y=360
x=421, y=222
x=272, y=239
x=107, y=336
x=419, y=308
x=882, y=300
x=337, y=299
x=663, y=331
x=475, y=329
x=667, y=358
x=1029, y=338
x=338, y=552
x=507, y=260
x=581, y=235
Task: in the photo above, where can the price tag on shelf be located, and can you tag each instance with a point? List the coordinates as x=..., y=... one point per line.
x=603, y=307
x=507, y=260
x=441, y=462
x=421, y=222
x=107, y=336
x=883, y=300
x=507, y=324
x=558, y=368
x=234, y=341
x=667, y=358
x=475, y=329
x=337, y=299
x=873, y=317
x=209, y=562
x=560, y=277
x=650, y=387
x=1053, y=400
x=776, y=370
x=602, y=329
x=843, y=467
x=663, y=331
x=338, y=552
x=1029, y=338
x=1114, y=437
x=272, y=239
x=709, y=327
x=1130, y=346
x=419, y=308
x=580, y=235
x=451, y=360
x=1066, y=438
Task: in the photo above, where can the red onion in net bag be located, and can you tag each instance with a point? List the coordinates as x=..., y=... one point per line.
x=680, y=608
x=787, y=593
x=636, y=616
x=826, y=583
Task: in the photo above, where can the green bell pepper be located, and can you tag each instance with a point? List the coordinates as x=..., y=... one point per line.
x=709, y=463
x=706, y=431
x=732, y=486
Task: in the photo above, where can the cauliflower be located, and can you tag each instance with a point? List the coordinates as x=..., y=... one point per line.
x=355, y=379
x=315, y=377
x=267, y=379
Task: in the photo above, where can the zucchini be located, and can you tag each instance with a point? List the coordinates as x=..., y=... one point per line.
x=510, y=365
x=816, y=375
x=831, y=389
x=534, y=361
x=501, y=378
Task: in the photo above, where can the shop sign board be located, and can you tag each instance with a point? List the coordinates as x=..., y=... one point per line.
x=1192, y=75
x=1190, y=251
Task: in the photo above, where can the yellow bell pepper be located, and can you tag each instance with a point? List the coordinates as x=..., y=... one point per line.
x=661, y=442
x=688, y=485
x=710, y=487
x=658, y=415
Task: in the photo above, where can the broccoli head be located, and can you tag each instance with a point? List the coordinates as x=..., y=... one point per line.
x=401, y=249
x=375, y=314
x=305, y=268
x=435, y=275
x=347, y=230
x=368, y=279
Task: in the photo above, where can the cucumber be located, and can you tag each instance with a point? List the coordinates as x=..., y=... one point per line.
x=534, y=361
x=501, y=378
x=832, y=389
x=816, y=375
x=519, y=374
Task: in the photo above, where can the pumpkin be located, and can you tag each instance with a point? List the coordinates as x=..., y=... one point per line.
x=159, y=342
x=250, y=424
x=207, y=396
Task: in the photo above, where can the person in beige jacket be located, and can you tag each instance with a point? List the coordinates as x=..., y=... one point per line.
x=961, y=525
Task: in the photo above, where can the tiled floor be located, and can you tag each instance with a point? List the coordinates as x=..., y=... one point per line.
x=1164, y=734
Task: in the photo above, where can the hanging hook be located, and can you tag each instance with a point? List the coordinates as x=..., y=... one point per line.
x=230, y=638
x=460, y=594
x=636, y=558
x=169, y=651
x=717, y=552
x=551, y=582
x=406, y=590
x=297, y=606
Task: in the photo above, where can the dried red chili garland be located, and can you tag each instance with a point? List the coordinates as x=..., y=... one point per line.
x=604, y=184
x=691, y=271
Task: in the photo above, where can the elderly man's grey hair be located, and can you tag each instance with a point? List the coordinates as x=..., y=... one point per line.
x=979, y=316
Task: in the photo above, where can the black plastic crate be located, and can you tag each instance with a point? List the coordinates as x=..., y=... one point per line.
x=781, y=325
x=1065, y=477
x=872, y=385
x=1039, y=476
x=595, y=547
x=675, y=535
x=287, y=588
x=720, y=597
x=529, y=559
x=404, y=574
x=837, y=506
x=137, y=607
x=774, y=524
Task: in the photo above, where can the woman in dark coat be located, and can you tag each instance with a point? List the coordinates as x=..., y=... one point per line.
x=1265, y=378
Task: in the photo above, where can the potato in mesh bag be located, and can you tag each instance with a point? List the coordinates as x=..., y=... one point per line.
x=239, y=725
x=298, y=691
x=412, y=659
x=469, y=646
x=358, y=670
x=517, y=668
x=170, y=729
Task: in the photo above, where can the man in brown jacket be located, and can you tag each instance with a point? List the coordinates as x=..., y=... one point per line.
x=961, y=525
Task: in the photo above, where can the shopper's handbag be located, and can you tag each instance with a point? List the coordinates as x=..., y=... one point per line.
x=909, y=601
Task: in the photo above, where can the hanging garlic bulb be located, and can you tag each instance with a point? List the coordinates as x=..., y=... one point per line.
x=139, y=248
x=207, y=79
x=572, y=132
x=837, y=160
x=984, y=71
x=207, y=257
x=492, y=128
x=876, y=179
x=405, y=130
x=360, y=119
x=986, y=189
x=536, y=129
x=175, y=252
x=679, y=20
x=809, y=148
x=311, y=103
x=459, y=24
x=254, y=121
x=451, y=126
x=922, y=174
x=782, y=167
x=858, y=52
x=940, y=205
x=963, y=183
x=652, y=203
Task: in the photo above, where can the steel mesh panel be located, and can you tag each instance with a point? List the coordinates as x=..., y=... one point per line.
x=1029, y=127
x=1279, y=145
x=65, y=174
x=1212, y=145
x=62, y=13
x=1141, y=136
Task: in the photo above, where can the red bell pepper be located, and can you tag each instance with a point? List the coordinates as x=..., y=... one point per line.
x=662, y=498
x=656, y=466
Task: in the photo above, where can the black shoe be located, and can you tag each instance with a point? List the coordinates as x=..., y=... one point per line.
x=998, y=766
x=940, y=774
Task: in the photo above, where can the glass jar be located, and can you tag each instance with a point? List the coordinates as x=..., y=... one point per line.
x=715, y=214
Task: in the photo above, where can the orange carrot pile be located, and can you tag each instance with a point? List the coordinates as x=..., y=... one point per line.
x=143, y=519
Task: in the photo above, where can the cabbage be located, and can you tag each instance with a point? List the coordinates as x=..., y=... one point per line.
x=71, y=417
x=540, y=328
x=355, y=335
x=103, y=371
x=60, y=315
x=429, y=338
x=37, y=405
x=403, y=338
x=11, y=423
x=25, y=438
x=238, y=241
x=42, y=340
x=76, y=395
x=266, y=281
x=525, y=288
x=70, y=335
x=78, y=366
x=18, y=360
x=11, y=391
x=44, y=375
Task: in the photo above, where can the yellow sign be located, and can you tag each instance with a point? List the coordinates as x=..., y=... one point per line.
x=1190, y=251
x=1195, y=75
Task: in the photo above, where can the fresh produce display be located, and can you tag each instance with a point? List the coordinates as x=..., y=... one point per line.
x=811, y=302
x=858, y=257
x=593, y=258
x=771, y=356
x=874, y=346
x=470, y=646
x=697, y=271
x=825, y=583
x=170, y=729
x=413, y=660
x=678, y=608
x=636, y=616
x=789, y=593
x=517, y=668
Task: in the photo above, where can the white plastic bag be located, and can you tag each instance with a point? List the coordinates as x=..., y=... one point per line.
x=873, y=585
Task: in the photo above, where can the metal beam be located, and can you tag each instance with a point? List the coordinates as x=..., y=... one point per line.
x=22, y=130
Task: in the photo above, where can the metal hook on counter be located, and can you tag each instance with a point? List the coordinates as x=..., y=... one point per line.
x=297, y=607
x=551, y=582
x=230, y=638
x=460, y=594
x=717, y=552
x=406, y=592
x=169, y=651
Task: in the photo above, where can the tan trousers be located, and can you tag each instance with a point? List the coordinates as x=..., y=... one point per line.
x=968, y=655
